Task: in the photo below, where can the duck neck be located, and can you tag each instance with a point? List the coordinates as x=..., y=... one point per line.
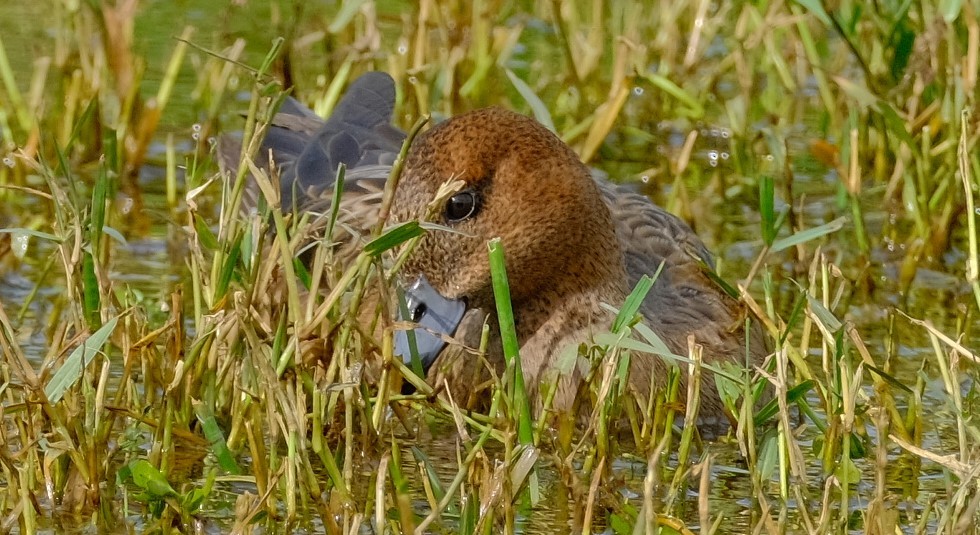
x=569, y=309
x=557, y=320
x=573, y=301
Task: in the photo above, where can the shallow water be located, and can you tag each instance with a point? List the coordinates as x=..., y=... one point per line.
x=152, y=264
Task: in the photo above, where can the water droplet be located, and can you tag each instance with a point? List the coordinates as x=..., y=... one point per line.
x=8, y=161
x=645, y=179
x=413, y=80
x=637, y=90
x=18, y=245
x=196, y=136
x=402, y=49
x=769, y=157
x=126, y=206
x=724, y=155
x=196, y=127
x=725, y=133
x=713, y=155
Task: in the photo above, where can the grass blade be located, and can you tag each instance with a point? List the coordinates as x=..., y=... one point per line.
x=71, y=370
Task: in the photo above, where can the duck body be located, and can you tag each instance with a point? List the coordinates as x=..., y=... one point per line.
x=573, y=242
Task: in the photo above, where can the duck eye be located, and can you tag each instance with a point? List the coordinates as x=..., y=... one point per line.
x=461, y=206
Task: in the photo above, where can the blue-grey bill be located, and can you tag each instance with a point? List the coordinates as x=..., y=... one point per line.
x=435, y=315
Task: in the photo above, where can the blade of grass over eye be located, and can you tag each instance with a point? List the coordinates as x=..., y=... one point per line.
x=538, y=107
x=508, y=337
x=807, y=235
x=393, y=237
x=71, y=370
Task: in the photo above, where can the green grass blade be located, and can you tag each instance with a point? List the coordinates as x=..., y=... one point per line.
x=807, y=235
x=508, y=336
x=538, y=107
x=91, y=299
x=216, y=437
x=393, y=237
x=71, y=370
x=632, y=304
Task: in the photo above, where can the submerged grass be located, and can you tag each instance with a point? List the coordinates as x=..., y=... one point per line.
x=255, y=395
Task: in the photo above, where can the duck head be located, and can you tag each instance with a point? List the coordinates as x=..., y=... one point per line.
x=524, y=185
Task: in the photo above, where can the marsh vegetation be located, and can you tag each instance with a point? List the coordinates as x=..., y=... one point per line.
x=169, y=366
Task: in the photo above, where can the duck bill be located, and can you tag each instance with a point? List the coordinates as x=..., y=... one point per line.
x=437, y=317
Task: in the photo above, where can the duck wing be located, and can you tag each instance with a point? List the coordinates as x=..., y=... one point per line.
x=684, y=299
x=307, y=150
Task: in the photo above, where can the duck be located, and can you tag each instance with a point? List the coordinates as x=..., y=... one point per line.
x=575, y=243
